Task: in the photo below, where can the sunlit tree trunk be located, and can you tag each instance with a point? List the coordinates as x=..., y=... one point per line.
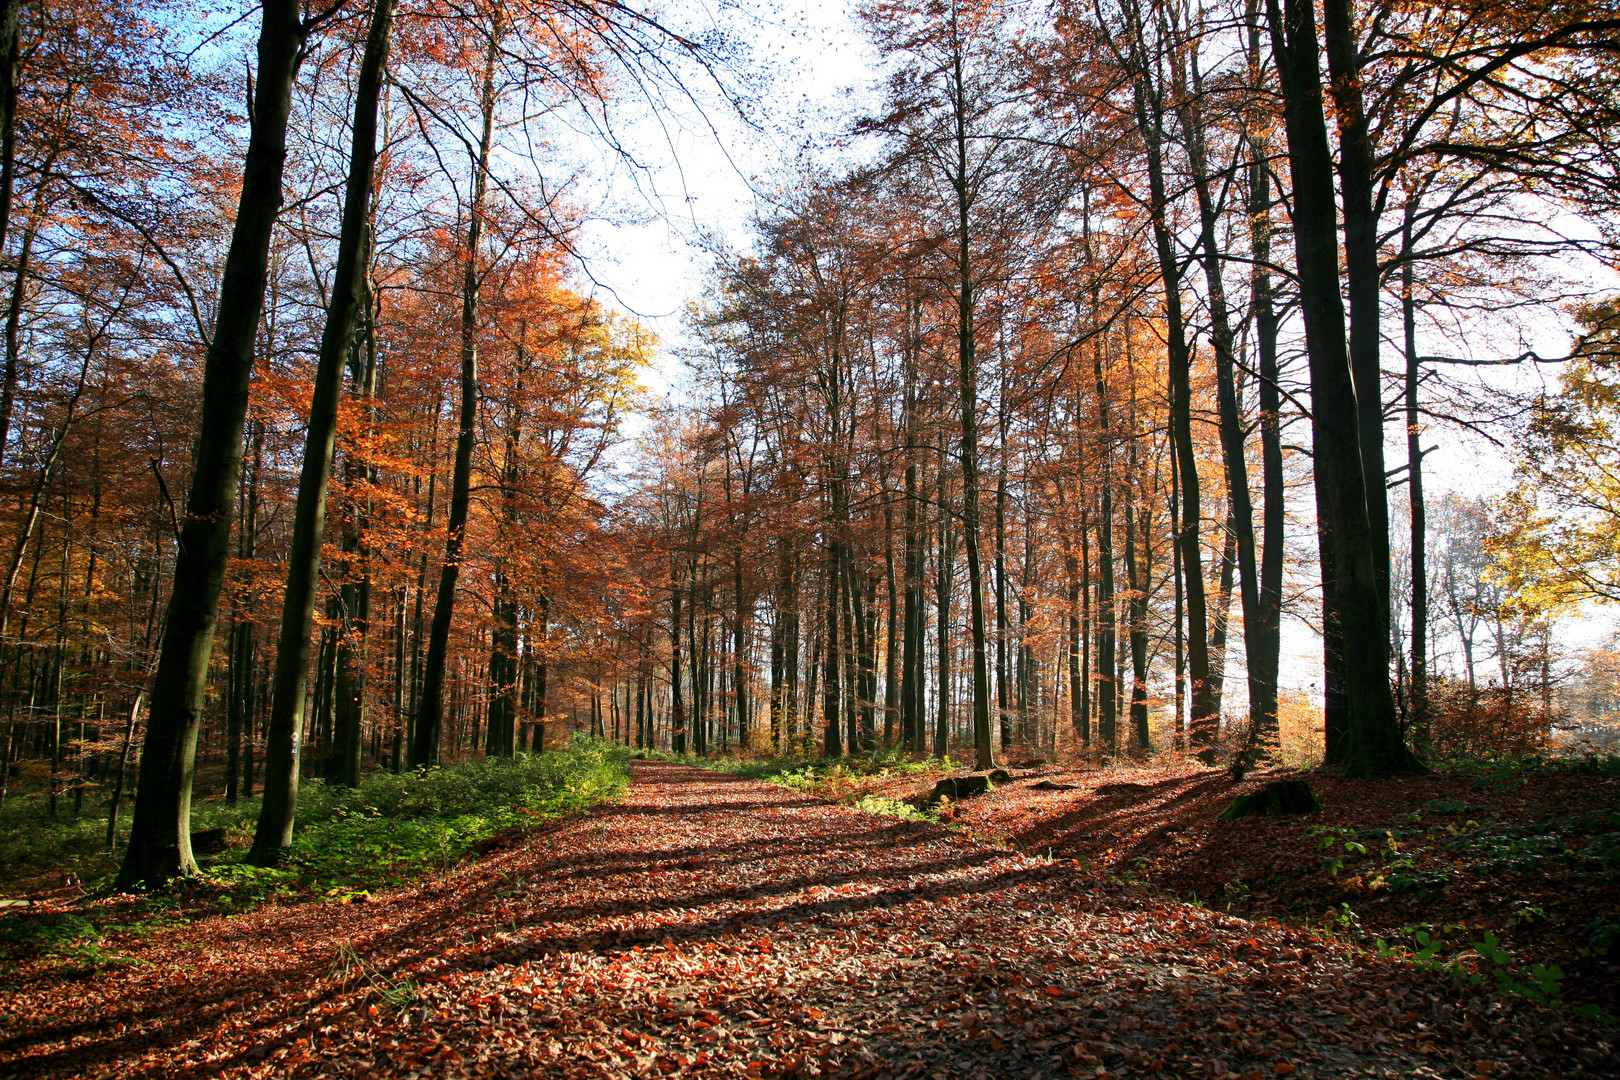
x=160, y=836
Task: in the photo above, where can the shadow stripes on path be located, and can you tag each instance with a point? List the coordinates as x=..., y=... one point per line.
x=713, y=926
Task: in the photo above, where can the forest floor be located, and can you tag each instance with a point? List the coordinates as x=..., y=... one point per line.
x=1421, y=866
x=709, y=925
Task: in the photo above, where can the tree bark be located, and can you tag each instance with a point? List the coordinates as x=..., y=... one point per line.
x=273, y=836
x=1418, y=719
x=1373, y=743
x=160, y=836
x=430, y=709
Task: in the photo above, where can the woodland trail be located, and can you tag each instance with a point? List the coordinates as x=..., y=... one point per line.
x=712, y=926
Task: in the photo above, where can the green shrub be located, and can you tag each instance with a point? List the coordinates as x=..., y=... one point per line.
x=347, y=843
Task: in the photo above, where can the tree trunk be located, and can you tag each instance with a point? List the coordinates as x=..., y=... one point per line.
x=430, y=710
x=1265, y=646
x=1418, y=719
x=942, y=599
x=1240, y=505
x=160, y=836
x=832, y=729
x=1351, y=582
x=1363, y=283
x=273, y=836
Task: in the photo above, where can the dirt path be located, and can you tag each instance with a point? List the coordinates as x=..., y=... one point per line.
x=713, y=926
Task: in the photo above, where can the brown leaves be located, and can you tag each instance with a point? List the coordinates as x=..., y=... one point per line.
x=716, y=929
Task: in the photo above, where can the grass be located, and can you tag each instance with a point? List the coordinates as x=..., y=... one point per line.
x=348, y=844
x=834, y=779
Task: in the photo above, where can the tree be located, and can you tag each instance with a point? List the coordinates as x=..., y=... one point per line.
x=160, y=837
x=273, y=836
x=1558, y=540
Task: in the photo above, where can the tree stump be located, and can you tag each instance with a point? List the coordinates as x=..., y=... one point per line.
x=957, y=788
x=1275, y=799
x=208, y=842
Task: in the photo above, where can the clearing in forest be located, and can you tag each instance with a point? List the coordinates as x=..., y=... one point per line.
x=708, y=925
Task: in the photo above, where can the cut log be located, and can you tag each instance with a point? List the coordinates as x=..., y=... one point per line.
x=208, y=842
x=1275, y=799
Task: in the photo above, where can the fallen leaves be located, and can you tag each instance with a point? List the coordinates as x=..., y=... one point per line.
x=738, y=929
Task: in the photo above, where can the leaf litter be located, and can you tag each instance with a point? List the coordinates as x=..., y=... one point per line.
x=711, y=926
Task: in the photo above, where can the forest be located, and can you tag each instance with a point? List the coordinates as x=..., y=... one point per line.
x=1155, y=391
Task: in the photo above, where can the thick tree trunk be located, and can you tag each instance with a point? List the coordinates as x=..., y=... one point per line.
x=1361, y=273
x=1351, y=580
x=160, y=837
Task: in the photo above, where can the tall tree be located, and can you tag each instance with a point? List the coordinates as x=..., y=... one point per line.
x=273, y=836
x=160, y=836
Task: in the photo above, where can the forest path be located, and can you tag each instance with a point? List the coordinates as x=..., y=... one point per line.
x=709, y=925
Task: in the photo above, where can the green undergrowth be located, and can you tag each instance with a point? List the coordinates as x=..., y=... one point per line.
x=1485, y=962
x=1507, y=774
x=348, y=844
x=834, y=779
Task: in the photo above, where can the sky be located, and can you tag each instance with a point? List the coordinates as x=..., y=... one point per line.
x=648, y=246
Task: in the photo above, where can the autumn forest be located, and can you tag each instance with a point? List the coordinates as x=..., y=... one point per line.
x=1193, y=394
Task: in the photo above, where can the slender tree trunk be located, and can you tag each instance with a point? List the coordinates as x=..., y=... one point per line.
x=892, y=646
x=123, y=768
x=1418, y=720
x=1240, y=505
x=832, y=729
x=1137, y=574
x=503, y=656
x=160, y=836
x=353, y=644
x=1107, y=685
x=914, y=722
x=1265, y=646
x=1088, y=692
x=538, y=632
x=10, y=63
x=943, y=581
x=739, y=646
x=1003, y=628
x=239, y=706
x=273, y=836
x=430, y=710
x=677, y=716
x=1204, y=718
